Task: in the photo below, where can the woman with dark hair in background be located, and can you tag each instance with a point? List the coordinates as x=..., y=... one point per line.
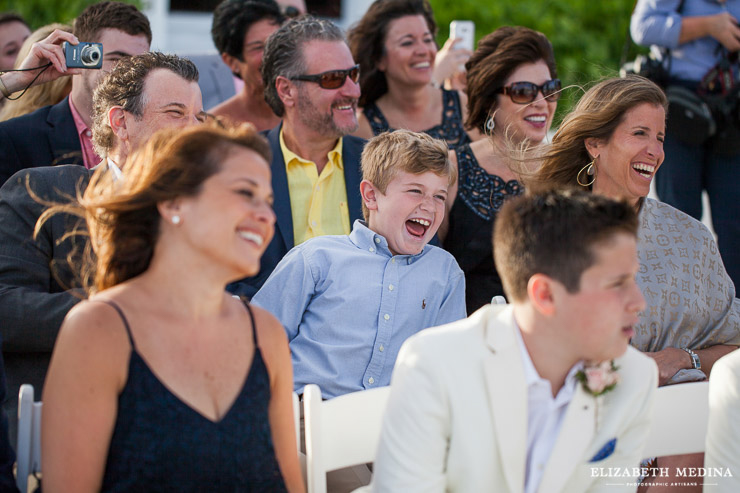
x=512, y=97
x=239, y=31
x=394, y=45
x=162, y=379
x=13, y=32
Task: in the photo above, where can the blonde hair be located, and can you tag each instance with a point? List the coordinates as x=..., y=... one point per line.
x=44, y=94
x=403, y=150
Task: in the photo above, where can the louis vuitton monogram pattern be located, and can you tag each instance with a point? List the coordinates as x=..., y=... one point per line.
x=690, y=298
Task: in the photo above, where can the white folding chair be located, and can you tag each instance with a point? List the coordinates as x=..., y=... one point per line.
x=28, y=450
x=297, y=420
x=498, y=300
x=680, y=416
x=341, y=432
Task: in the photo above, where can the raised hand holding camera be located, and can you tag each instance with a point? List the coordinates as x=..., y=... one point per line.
x=44, y=63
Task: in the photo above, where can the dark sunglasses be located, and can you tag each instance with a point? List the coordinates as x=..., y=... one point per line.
x=526, y=92
x=333, y=79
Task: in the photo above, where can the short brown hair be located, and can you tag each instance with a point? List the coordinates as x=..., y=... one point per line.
x=403, y=150
x=554, y=233
x=124, y=223
x=124, y=86
x=111, y=15
x=367, y=41
x=498, y=55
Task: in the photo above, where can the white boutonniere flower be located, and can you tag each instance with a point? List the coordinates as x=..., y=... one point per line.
x=598, y=379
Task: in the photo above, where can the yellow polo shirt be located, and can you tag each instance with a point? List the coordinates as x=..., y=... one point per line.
x=318, y=202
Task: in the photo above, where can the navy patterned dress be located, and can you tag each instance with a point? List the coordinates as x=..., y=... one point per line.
x=479, y=198
x=159, y=443
x=450, y=130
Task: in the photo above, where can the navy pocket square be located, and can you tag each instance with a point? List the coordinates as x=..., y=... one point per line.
x=606, y=451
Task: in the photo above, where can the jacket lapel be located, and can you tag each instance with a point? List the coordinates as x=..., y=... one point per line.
x=282, y=208
x=575, y=435
x=63, y=138
x=351, y=151
x=507, y=394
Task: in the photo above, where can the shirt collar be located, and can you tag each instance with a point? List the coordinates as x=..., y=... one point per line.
x=79, y=122
x=335, y=155
x=367, y=239
x=113, y=167
x=532, y=377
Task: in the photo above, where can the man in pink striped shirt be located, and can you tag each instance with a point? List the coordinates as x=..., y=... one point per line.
x=61, y=134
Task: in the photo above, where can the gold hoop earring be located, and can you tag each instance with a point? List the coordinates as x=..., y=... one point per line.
x=590, y=170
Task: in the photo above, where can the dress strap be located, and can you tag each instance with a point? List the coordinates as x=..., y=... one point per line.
x=123, y=318
x=376, y=119
x=251, y=318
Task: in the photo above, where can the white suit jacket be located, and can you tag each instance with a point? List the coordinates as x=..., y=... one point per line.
x=457, y=417
x=723, y=431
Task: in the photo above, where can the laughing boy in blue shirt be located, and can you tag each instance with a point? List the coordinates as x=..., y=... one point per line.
x=349, y=302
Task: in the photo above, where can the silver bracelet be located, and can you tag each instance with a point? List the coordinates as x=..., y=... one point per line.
x=695, y=361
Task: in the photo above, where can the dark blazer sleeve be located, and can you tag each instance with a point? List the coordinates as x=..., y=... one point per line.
x=33, y=301
x=7, y=456
x=9, y=158
x=46, y=137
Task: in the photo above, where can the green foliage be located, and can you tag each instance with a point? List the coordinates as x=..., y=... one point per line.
x=588, y=36
x=42, y=12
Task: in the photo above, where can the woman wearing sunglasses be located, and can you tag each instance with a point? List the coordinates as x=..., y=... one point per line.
x=513, y=94
x=394, y=45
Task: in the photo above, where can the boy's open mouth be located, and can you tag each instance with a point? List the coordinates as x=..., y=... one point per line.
x=417, y=227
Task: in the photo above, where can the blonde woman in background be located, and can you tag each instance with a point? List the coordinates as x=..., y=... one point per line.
x=43, y=94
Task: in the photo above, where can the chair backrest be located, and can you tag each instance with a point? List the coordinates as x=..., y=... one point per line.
x=680, y=416
x=28, y=450
x=297, y=420
x=341, y=432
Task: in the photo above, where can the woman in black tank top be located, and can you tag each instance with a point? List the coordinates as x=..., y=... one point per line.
x=162, y=380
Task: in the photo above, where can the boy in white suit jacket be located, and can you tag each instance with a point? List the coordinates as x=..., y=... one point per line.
x=543, y=395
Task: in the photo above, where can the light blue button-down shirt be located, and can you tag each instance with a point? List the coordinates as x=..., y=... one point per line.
x=657, y=22
x=348, y=304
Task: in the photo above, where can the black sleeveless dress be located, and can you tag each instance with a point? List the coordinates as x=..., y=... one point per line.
x=159, y=443
x=479, y=198
x=450, y=130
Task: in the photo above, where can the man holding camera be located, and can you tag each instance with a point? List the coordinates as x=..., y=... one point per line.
x=60, y=134
x=702, y=145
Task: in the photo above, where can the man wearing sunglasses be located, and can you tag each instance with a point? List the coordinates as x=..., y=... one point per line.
x=311, y=82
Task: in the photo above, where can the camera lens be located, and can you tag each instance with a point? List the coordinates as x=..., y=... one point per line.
x=90, y=55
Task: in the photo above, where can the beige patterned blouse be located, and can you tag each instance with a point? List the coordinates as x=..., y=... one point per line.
x=690, y=298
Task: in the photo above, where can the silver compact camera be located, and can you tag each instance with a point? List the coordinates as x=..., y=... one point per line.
x=84, y=55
